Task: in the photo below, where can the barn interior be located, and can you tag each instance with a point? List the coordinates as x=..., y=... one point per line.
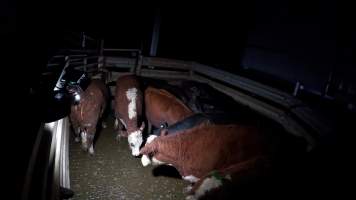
x=276, y=63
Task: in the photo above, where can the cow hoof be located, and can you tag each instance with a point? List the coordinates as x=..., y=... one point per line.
x=145, y=160
x=77, y=139
x=91, y=150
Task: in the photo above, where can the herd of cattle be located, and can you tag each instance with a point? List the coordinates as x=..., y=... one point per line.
x=206, y=150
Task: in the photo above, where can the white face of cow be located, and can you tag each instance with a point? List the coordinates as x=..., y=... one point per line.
x=135, y=140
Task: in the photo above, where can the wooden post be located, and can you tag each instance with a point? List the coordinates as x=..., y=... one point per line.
x=139, y=63
x=101, y=55
x=85, y=64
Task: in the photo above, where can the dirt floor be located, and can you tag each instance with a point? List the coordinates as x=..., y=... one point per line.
x=113, y=173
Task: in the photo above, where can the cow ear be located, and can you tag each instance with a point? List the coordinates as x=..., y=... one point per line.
x=143, y=125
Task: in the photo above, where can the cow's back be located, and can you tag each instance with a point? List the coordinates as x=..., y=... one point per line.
x=94, y=101
x=124, y=85
x=211, y=147
x=161, y=106
x=91, y=106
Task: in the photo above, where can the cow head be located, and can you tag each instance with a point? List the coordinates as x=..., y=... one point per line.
x=87, y=141
x=135, y=140
x=75, y=92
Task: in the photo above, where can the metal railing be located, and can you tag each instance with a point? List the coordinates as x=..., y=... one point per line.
x=54, y=168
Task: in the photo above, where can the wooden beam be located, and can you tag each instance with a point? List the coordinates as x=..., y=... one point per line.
x=122, y=50
x=164, y=74
x=251, y=86
x=120, y=61
x=166, y=63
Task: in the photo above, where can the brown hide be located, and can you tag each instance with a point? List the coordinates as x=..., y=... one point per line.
x=123, y=84
x=161, y=107
x=204, y=148
x=92, y=104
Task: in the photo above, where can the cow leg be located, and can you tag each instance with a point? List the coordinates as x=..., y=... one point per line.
x=121, y=132
x=116, y=124
x=76, y=127
x=77, y=131
x=77, y=135
x=213, y=181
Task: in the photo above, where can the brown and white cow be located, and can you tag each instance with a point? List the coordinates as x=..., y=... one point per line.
x=163, y=108
x=198, y=151
x=86, y=114
x=128, y=110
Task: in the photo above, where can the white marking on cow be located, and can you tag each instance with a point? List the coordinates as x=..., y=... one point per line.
x=135, y=140
x=150, y=138
x=157, y=162
x=83, y=135
x=131, y=95
x=187, y=189
x=123, y=123
x=190, y=178
x=207, y=185
x=145, y=160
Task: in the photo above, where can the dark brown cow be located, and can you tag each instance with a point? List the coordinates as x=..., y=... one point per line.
x=162, y=107
x=198, y=151
x=86, y=114
x=128, y=110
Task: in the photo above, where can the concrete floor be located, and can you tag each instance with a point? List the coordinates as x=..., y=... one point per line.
x=113, y=173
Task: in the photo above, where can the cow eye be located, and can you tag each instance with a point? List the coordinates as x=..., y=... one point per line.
x=132, y=145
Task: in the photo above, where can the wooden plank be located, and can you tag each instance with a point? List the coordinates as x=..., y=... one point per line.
x=164, y=74
x=53, y=64
x=254, y=87
x=167, y=63
x=139, y=64
x=120, y=61
x=121, y=50
x=92, y=65
x=267, y=110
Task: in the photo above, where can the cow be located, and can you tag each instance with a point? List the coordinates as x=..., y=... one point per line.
x=89, y=110
x=162, y=107
x=196, y=152
x=128, y=111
